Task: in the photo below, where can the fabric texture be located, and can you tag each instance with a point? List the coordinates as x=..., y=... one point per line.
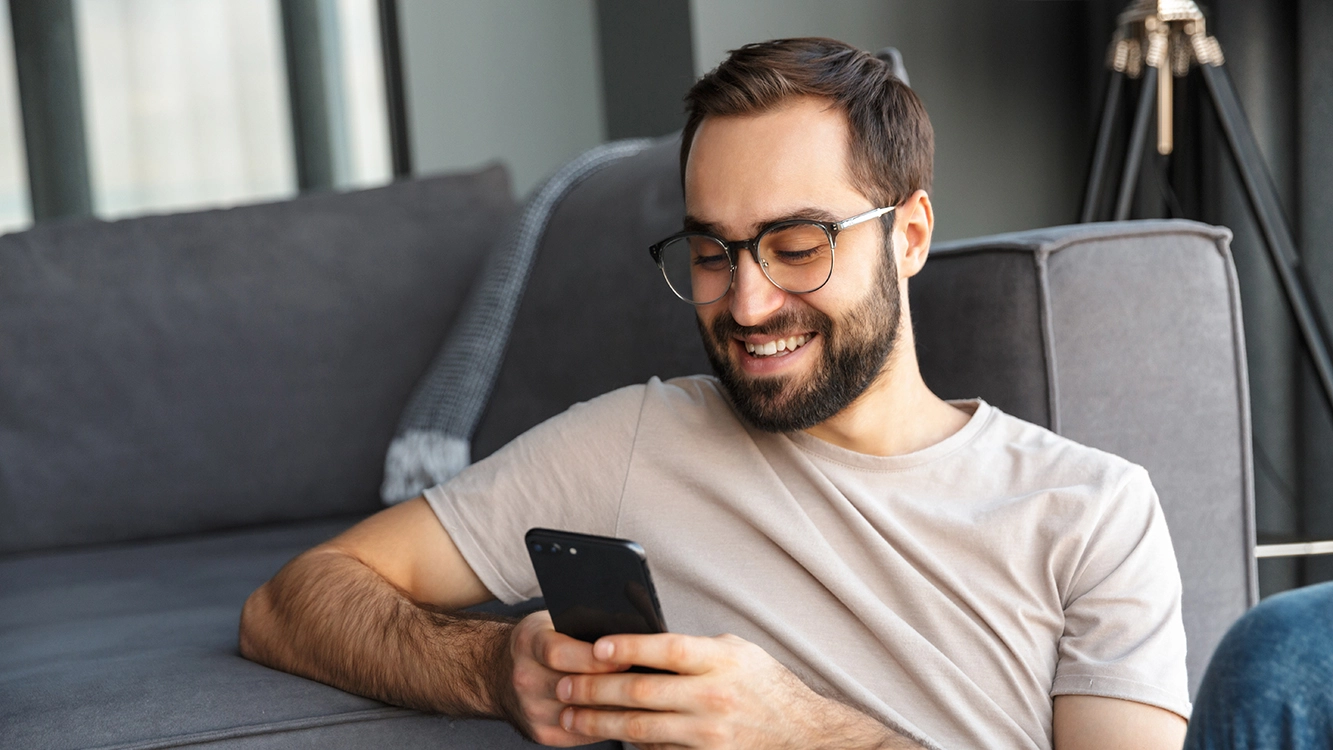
x=434, y=432
x=950, y=592
x=176, y=374
x=1270, y=683
x=134, y=646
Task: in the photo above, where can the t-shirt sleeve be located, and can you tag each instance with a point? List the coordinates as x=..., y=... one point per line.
x=566, y=473
x=1123, y=635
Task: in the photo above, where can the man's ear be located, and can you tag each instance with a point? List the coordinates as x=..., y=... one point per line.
x=915, y=219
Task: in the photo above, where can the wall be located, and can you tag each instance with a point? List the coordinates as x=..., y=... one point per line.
x=1004, y=83
x=510, y=80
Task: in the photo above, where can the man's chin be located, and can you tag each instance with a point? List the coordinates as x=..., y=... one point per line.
x=766, y=402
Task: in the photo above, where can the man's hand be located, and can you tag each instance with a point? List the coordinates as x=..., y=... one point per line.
x=541, y=657
x=726, y=693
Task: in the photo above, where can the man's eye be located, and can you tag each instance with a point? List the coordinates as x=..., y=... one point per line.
x=797, y=257
x=712, y=262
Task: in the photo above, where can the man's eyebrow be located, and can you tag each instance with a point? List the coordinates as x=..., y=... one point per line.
x=695, y=224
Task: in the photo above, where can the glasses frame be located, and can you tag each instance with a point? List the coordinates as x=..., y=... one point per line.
x=732, y=249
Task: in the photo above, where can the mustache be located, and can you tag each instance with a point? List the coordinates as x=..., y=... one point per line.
x=725, y=327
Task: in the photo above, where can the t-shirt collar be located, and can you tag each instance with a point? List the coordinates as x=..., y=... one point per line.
x=981, y=416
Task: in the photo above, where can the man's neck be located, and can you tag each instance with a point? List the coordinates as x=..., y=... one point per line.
x=896, y=415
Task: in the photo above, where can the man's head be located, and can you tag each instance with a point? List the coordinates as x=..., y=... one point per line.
x=810, y=129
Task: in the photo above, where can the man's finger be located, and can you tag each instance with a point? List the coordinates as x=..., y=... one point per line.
x=543, y=720
x=638, y=727
x=561, y=653
x=628, y=690
x=682, y=654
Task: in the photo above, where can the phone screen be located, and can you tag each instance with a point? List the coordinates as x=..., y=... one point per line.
x=594, y=585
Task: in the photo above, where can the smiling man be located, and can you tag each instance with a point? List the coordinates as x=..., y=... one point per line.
x=846, y=559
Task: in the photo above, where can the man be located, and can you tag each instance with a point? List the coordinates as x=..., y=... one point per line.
x=891, y=570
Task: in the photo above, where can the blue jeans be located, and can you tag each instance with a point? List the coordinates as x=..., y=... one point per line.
x=1270, y=682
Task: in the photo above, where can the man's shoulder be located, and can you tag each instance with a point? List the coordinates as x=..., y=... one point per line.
x=686, y=397
x=1041, y=456
x=698, y=390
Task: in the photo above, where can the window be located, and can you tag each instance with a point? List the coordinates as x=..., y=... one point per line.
x=184, y=103
x=15, y=212
x=364, y=144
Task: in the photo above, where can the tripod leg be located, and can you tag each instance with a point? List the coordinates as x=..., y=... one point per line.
x=1137, y=139
x=1267, y=209
x=1092, y=198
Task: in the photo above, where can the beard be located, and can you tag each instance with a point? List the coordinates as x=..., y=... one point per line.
x=855, y=350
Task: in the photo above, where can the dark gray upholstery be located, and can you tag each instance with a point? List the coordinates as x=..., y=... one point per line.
x=1126, y=337
x=596, y=314
x=175, y=374
x=135, y=646
x=435, y=432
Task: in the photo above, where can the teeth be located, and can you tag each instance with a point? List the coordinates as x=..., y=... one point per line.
x=789, y=344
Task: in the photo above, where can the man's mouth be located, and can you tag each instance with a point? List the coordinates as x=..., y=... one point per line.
x=777, y=347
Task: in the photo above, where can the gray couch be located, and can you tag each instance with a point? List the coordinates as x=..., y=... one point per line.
x=186, y=402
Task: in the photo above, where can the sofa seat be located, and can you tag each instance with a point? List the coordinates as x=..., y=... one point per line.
x=134, y=646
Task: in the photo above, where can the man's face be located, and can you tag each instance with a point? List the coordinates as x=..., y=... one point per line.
x=744, y=173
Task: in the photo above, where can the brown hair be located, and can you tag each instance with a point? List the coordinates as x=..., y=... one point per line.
x=892, y=144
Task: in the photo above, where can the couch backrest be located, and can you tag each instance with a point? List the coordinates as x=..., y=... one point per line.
x=177, y=374
x=596, y=314
x=1122, y=336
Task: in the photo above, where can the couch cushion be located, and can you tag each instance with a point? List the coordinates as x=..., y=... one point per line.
x=175, y=374
x=596, y=314
x=135, y=646
x=434, y=436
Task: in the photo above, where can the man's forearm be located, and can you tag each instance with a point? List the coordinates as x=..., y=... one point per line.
x=328, y=617
x=823, y=721
x=847, y=727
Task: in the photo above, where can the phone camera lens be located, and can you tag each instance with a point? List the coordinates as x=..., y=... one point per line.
x=555, y=548
x=537, y=547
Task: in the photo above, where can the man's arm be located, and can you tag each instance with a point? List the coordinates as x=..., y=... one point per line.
x=370, y=612
x=1090, y=722
x=347, y=613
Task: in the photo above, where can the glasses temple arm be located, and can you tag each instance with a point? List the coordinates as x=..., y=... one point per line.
x=867, y=216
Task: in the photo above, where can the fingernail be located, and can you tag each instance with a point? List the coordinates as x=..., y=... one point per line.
x=567, y=719
x=564, y=688
x=604, y=650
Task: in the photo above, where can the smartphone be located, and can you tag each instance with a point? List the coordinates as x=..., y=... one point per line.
x=594, y=585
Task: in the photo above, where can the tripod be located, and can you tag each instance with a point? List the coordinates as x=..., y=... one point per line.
x=1157, y=41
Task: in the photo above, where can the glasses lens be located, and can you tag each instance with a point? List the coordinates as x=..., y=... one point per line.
x=797, y=257
x=697, y=268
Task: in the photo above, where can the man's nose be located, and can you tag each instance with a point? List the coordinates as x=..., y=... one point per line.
x=753, y=297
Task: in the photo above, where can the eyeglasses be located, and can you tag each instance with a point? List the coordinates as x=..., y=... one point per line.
x=796, y=255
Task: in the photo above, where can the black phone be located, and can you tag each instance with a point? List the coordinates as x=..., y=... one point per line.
x=594, y=585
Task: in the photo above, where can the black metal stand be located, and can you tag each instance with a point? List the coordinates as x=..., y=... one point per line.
x=1259, y=189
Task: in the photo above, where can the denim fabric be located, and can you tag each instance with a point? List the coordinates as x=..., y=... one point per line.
x=1270, y=683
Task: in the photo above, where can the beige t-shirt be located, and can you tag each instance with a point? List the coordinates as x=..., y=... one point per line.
x=950, y=592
